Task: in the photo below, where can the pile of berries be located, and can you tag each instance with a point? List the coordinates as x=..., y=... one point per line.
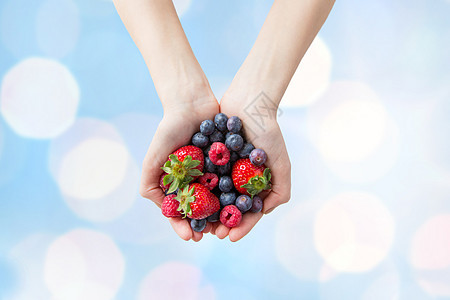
x=217, y=178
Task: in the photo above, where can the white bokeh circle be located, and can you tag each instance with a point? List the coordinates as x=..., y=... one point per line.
x=28, y=258
x=39, y=98
x=175, y=280
x=353, y=232
x=430, y=255
x=311, y=78
x=430, y=248
x=353, y=132
x=386, y=287
x=57, y=27
x=104, y=161
x=294, y=244
x=94, y=170
x=84, y=264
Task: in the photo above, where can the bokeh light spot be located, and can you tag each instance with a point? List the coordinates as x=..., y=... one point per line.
x=39, y=98
x=431, y=244
x=161, y=283
x=84, y=264
x=94, y=170
x=353, y=232
x=312, y=76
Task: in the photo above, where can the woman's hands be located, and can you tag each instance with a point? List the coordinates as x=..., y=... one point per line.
x=179, y=123
x=263, y=132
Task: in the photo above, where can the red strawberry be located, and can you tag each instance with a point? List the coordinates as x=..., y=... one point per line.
x=183, y=166
x=249, y=179
x=169, y=206
x=197, y=202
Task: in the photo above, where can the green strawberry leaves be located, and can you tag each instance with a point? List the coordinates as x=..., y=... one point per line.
x=258, y=183
x=185, y=197
x=179, y=174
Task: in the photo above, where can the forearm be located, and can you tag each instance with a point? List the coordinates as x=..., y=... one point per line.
x=288, y=31
x=157, y=32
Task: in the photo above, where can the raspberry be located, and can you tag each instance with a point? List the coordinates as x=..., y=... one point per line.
x=210, y=180
x=219, y=154
x=230, y=216
x=169, y=207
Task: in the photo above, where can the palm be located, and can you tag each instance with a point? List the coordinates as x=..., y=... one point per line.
x=269, y=138
x=173, y=132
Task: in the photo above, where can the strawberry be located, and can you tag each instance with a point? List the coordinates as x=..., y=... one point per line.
x=169, y=207
x=183, y=166
x=197, y=202
x=249, y=179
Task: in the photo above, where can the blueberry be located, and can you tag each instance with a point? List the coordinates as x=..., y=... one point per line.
x=221, y=121
x=245, y=151
x=224, y=170
x=206, y=151
x=209, y=166
x=244, y=203
x=234, y=157
x=200, y=140
x=258, y=157
x=228, y=134
x=225, y=184
x=217, y=136
x=198, y=225
x=214, y=217
x=227, y=198
x=234, y=142
x=234, y=124
x=257, y=204
x=207, y=127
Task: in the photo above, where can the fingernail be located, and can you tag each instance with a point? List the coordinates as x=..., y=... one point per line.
x=269, y=210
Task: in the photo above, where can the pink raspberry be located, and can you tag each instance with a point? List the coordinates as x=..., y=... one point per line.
x=219, y=154
x=230, y=216
x=161, y=183
x=169, y=207
x=210, y=180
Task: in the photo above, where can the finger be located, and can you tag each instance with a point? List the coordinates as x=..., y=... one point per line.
x=273, y=200
x=182, y=228
x=247, y=223
x=214, y=227
x=197, y=236
x=222, y=231
x=207, y=228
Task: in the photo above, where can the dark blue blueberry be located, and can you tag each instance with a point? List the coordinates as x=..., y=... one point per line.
x=257, y=204
x=224, y=170
x=228, y=134
x=227, y=199
x=225, y=184
x=221, y=121
x=198, y=225
x=217, y=136
x=234, y=124
x=234, y=157
x=200, y=140
x=207, y=127
x=214, y=217
x=246, y=150
x=209, y=166
x=234, y=142
x=258, y=157
x=206, y=151
x=244, y=203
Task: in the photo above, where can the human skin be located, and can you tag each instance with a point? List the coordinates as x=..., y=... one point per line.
x=288, y=30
